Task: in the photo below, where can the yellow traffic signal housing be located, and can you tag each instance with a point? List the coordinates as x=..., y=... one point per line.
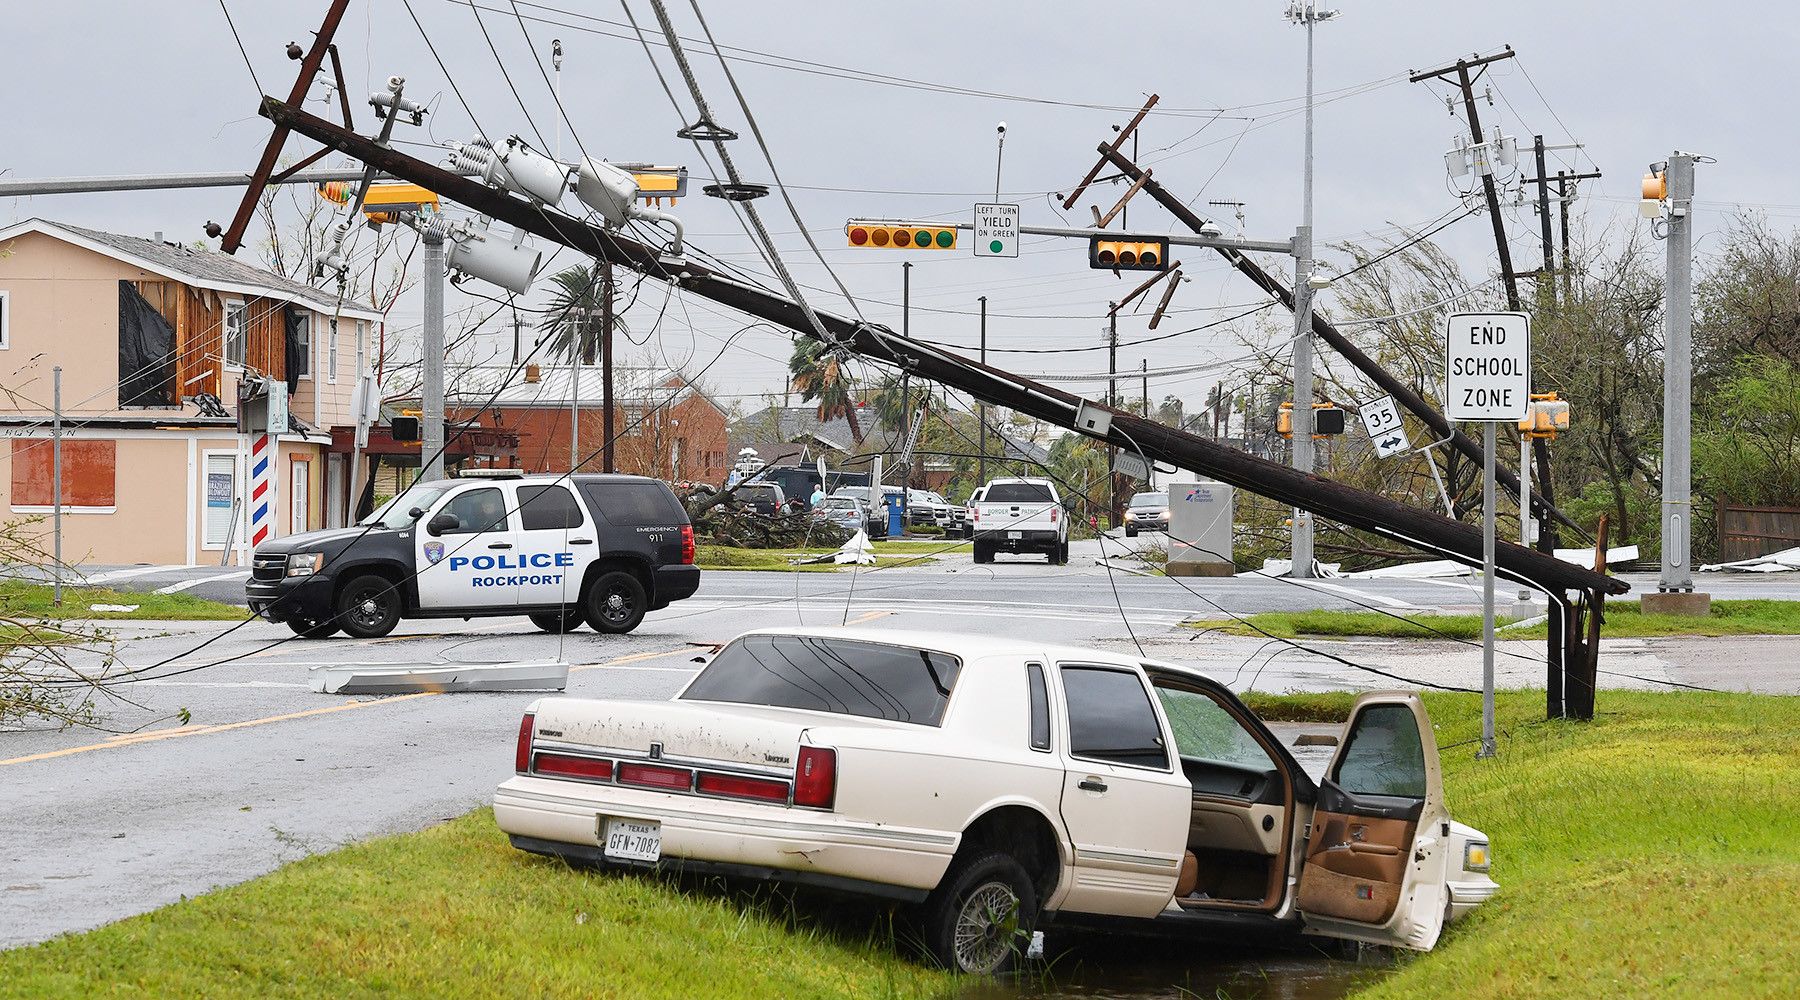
x=1328, y=420
x=1546, y=417
x=900, y=235
x=385, y=202
x=1127, y=255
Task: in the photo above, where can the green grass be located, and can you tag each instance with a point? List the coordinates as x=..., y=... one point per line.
x=1623, y=619
x=455, y=911
x=1651, y=852
x=29, y=600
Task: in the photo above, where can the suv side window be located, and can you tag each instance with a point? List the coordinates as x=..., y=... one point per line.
x=1204, y=730
x=1111, y=718
x=635, y=504
x=1382, y=754
x=477, y=511
x=547, y=507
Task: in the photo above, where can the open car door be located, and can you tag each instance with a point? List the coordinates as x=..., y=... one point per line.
x=1374, y=863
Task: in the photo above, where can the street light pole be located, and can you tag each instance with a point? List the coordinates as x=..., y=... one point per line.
x=1304, y=12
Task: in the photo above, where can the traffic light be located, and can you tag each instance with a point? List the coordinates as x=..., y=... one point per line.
x=900, y=235
x=1328, y=420
x=1546, y=417
x=1127, y=255
x=384, y=202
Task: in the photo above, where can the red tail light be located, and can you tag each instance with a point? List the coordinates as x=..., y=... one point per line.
x=1053, y=515
x=522, y=753
x=743, y=788
x=562, y=766
x=674, y=779
x=687, y=545
x=815, y=777
x=974, y=513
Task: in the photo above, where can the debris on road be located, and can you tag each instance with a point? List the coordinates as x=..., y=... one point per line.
x=443, y=678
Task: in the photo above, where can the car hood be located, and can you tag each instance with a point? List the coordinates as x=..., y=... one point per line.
x=330, y=541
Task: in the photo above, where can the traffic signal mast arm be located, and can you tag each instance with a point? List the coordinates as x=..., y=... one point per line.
x=1402, y=393
x=1155, y=442
x=1178, y=239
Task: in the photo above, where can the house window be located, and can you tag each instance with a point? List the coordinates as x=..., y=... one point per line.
x=88, y=472
x=331, y=352
x=5, y=320
x=303, y=343
x=237, y=332
x=221, y=498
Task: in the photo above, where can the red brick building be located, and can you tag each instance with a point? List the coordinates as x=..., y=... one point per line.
x=663, y=426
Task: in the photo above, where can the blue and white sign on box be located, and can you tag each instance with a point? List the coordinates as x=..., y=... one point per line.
x=1487, y=366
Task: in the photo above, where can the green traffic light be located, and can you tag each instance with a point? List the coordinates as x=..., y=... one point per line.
x=922, y=238
x=945, y=238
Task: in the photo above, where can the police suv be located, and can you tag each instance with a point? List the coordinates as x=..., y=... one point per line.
x=561, y=550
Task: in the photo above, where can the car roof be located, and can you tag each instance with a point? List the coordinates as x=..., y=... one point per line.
x=970, y=645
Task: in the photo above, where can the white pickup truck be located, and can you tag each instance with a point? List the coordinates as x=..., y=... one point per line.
x=995, y=782
x=1021, y=515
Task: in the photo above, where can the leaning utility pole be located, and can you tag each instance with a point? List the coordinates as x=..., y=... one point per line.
x=1488, y=188
x=431, y=348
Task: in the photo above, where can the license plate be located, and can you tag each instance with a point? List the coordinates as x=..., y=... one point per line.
x=1012, y=534
x=633, y=840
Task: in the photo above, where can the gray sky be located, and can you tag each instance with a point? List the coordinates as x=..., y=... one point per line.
x=129, y=87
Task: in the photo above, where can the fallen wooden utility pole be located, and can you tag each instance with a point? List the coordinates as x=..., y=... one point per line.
x=1152, y=441
x=1322, y=328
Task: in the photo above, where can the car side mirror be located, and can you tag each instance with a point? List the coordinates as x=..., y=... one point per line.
x=442, y=523
x=416, y=513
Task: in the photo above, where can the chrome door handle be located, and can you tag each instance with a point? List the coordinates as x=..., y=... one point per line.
x=1091, y=785
x=581, y=541
x=499, y=545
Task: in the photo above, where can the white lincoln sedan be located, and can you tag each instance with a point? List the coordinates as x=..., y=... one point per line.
x=997, y=783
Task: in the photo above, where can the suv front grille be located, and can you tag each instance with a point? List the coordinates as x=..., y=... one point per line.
x=268, y=567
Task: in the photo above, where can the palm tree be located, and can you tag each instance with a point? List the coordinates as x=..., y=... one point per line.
x=572, y=320
x=818, y=373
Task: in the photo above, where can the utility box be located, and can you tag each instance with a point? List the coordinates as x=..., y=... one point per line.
x=1200, y=529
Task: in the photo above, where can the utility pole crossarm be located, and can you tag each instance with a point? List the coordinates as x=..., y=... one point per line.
x=1463, y=64
x=1356, y=508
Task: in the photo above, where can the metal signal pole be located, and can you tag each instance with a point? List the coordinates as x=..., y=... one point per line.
x=606, y=366
x=431, y=389
x=981, y=409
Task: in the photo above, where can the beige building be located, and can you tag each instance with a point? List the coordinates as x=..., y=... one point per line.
x=153, y=339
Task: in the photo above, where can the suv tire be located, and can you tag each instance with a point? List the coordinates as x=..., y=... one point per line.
x=984, y=552
x=308, y=629
x=980, y=918
x=368, y=607
x=1061, y=556
x=557, y=622
x=615, y=602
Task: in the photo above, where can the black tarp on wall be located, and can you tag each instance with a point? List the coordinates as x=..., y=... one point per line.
x=295, y=353
x=146, y=352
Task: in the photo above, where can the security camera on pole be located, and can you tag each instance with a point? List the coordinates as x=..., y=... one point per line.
x=1487, y=377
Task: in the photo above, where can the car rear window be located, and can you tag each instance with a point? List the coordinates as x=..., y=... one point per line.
x=635, y=504
x=867, y=679
x=1017, y=493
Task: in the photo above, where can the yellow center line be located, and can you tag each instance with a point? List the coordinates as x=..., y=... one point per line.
x=868, y=617
x=637, y=657
x=133, y=739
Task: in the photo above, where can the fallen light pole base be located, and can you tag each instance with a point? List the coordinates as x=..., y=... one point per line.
x=1686, y=603
x=444, y=678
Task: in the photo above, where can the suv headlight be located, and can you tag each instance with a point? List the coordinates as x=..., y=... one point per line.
x=305, y=563
x=1475, y=856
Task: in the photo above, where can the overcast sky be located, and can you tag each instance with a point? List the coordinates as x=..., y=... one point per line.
x=118, y=87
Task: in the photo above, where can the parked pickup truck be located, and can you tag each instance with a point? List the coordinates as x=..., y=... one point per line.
x=1020, y=515
x=559, y=549
x=997, y=782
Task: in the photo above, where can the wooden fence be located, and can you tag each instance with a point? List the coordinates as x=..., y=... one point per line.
x=1748, y=532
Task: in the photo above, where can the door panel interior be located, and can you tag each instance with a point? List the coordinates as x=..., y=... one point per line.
x=1357, y=857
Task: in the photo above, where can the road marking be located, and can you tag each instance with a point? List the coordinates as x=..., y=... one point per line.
x=1354, y=593
x=176, y=588
x=869, y=617
x=636, y=658
x=126, y=574
x=155, y=735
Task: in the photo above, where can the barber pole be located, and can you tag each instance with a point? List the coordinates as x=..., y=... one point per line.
x=262, y=495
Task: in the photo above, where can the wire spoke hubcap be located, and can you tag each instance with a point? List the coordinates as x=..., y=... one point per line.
x=985, y=927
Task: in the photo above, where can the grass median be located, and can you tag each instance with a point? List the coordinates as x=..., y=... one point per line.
x=1623, y=620
x=455, y=911
x=35, y=601
x=1651, y=852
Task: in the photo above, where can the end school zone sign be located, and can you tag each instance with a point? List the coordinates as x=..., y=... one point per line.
x=1487, y=366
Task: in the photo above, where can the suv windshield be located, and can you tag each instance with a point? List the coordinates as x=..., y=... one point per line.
x=1017, y=493
x=1150, y=500
x=848, y=677
x=396, y=514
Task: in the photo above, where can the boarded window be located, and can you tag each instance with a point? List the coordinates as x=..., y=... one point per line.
x=87, y=476
x=146, y=352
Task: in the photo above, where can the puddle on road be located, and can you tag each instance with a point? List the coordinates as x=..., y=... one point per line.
x=1104, y=968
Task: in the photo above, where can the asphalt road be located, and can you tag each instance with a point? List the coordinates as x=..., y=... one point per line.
x=97, y=825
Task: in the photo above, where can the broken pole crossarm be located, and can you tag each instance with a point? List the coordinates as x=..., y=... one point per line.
x=1322, y=328
x=1136, y=186
x=1117, y=144
x=1155, y=442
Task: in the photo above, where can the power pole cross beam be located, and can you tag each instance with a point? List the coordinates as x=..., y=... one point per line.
x=1153, y=441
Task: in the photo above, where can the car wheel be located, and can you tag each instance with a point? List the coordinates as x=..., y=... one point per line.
x=1062, y=554
x=615, y=603
x=368, y=607
x=308, y=629
x=979, y=920
x=1130, y=532
x=984, y=553
x=557, y=622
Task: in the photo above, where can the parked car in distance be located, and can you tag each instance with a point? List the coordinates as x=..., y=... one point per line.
x=994, y=781
x=1021, y=515
x=848, y=513
x=967, y=523
x=766, y=499
x=1147, y=512
x=560, y=550
x=878, y=512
